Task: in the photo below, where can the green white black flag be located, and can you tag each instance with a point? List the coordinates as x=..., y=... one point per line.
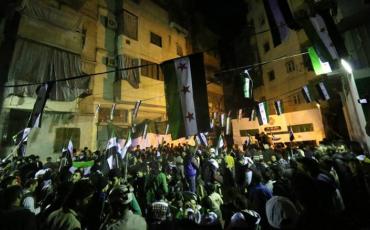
x=186, y=96
x=263, y=113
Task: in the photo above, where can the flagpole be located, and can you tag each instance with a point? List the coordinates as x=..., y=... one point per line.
x=15, y=148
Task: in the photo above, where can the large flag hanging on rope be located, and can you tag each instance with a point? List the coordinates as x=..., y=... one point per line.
x=42, y=95
x=323, y=34
x=263, y=113
x=247, y=84
x=186, y=95
x=278, y=26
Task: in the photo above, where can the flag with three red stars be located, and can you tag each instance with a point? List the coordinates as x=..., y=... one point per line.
x=186, y=96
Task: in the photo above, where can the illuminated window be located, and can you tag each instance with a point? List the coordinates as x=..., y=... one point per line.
x=302, y=128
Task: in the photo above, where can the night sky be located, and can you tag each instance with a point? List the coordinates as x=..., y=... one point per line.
x=226, y=18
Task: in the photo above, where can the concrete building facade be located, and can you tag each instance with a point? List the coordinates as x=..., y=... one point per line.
x=105, y=36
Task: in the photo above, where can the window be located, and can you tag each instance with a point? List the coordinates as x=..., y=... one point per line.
x=155, y=39
x=251, y=132
x=152, y=70
x=302, y=128
x=63, y=135
x=271, y=75
x=297, y=99
x=290, y=66
x=179, y=50
x=119, y=116
x=266, y=47
x=130, y=25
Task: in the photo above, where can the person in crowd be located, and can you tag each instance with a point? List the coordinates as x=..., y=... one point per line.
x=12, y=215
x=28, y=200
x=120, y=216
x=73, y=211
x=190, y=170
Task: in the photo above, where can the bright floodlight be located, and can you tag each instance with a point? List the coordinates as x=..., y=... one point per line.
x=346, y=66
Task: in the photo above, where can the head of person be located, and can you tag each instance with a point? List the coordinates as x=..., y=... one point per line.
x=31, y=184
x=9, y=181
x=79, y=197
x=11, y=197
x=119, y=200
x=114, y=177
x=281, y=213
x=77, y=175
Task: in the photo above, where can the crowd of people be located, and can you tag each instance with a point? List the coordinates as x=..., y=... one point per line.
x=191, y=187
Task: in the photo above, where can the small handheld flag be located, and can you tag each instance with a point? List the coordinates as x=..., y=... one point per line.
x=322, y=91
x=306, y=94
x=223, y=120
x=167, y=128
x=97, y=111
x=145, y=130
x=112, y=112
x=136, y=109
x=228, y=125
x=240, y=114
x=291, y=134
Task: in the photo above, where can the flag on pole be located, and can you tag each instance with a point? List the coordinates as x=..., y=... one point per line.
x=263, y=113
x=228, y=125
x=306, y=94
x=97, y=111
x=67, y=154
x=136, y=109
x=240, y=114
x=145, y=132
x=291, y=134
x=127, y=146
x=201, y=139
x=247, y=84
x=112, y=151
x=21, y=136
x=279, y=107
x=252, y=117
x=322, y=91
x=278, y=25
x=167, y=129
x=186, y=95
x=38, y=108
x=212, y=124
x=222, y=120
x=220, y=143
x=112, y=112
x=318, y=66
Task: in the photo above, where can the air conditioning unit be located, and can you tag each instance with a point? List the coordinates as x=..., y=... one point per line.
x=110, y=61
x=111, y=22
